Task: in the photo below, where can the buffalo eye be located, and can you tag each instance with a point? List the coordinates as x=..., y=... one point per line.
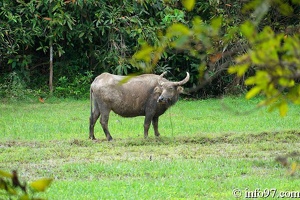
x=171, y=89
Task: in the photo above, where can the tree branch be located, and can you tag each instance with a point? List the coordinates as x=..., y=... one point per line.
x=223, y=67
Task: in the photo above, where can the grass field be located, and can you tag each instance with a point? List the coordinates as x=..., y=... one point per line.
x=208, y=149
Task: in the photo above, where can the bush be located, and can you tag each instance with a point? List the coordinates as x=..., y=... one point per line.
x=14, y=87
x=76, y=87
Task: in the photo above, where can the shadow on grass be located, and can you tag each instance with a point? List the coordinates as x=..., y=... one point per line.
x=286, y=137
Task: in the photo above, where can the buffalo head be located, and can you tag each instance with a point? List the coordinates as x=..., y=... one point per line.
x=169, y=91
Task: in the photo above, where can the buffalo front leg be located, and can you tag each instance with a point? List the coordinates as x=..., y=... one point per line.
x=155, y=126
x=104, y=123
x=147, y=123
x=93, y=118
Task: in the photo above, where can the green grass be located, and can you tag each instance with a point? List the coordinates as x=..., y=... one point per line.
x=207, y=149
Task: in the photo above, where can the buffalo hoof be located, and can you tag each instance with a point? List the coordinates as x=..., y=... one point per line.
x=109, y=138
x=92, y=138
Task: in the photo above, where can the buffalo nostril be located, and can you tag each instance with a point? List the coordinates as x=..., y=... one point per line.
x=160, y=99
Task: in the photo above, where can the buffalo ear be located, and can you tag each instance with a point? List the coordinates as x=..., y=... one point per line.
x=180, y=89
x=157, y=90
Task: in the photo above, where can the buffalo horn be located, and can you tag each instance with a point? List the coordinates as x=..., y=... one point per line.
x=162, y=75
x=186, y=79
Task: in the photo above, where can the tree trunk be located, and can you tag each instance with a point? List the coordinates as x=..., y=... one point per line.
x=51, y=67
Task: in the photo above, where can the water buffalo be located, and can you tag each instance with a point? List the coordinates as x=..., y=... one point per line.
x=146, y=95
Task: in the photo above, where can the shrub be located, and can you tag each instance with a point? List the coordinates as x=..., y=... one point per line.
x=12, y=188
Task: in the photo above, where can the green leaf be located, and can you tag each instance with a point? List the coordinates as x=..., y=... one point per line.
x=257, y=57
x=283, y=108
x=248, y=30
x=296, y=2
x=188, y=4
x=41, y=185
x=286, y=82
x=127, y=78
x=5, y=174
x=80, y=35
x=251, y=5
x=250, y=81
x=69, y=25
x=177, y=29
x=285, y=9
x=144, y=53
x=240, y=70
x=11, y=191
x=294, y=94
x=24, y=197
x=197, y=24
x=141, y=41
x=14, y=64
x=180, y=42
x=216, y=24
x=10, y=61
x=253, y=92
x=261, y=78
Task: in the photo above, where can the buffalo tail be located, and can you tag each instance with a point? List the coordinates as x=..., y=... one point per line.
x=91, y=101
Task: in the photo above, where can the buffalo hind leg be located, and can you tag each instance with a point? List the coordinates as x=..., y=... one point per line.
x=104, y=123
x=155, y=126
x=93, y=118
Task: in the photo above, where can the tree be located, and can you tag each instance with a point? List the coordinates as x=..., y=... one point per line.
x=31, y=26
x=56, y=22
x=273, y=54
x=86, y=36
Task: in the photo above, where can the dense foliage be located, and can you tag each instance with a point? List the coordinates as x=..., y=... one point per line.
x=89, y=37
x=260, y=52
